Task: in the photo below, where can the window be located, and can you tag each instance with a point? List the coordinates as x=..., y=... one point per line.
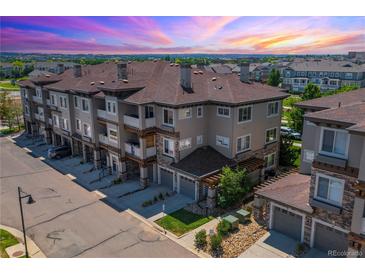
x=348, y=75
x=78, y=124
x=222, y=141
x=62, y=123
x=185, y=113
x=244, y=114
x=113, y=135
x=52, y=99
x=76, y=101
x=269, y=160
x=243, y=143
x=111, y=107
x=329, y=189
x=26, y=108
x=308, y=156
x=63, y=101
x=38, y=92
x=199, y=140
x=272, y=108
x=185, y=144
x=271, y=135
x=223, y=112
x=334, y=142
x=149, y=112
x=87, y=130
x=85, y=105
x=168, y=117
x=199, y=111
x=55, y=120
x=168, y=147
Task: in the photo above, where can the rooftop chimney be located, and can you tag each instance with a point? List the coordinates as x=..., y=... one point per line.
x=245, y=72
x=185, y=76
x=77, y=70
x=122, y=71
x=60, y=68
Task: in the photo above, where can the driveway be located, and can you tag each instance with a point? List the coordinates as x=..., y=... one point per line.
x=276, y=245
x=67, y=220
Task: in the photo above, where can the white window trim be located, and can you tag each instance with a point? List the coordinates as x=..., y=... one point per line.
x=189, y=139
x=163, y=147
x=77, y=98
x=304, y=154
x=111, y=139
x=173, y=117
x=267, y=156
x=329, y=178
x=225, y=116
x=80, y=129
x=83, y=131
x=54, y=99
x=238, y=114
x=88, y=103
x=197, y=112
x=269, y=142
x=331, y=153
x=243, y=150
x=64, y=99
x=218, y=144
x=197, y=140
x=111, y=103
x=267, y=109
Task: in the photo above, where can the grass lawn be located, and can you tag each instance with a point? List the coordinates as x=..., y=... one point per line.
x=6, y=85
x=7, y=131
x=182, y=221
x=6, y=240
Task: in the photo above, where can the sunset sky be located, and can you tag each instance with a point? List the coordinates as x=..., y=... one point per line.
x=138, y=35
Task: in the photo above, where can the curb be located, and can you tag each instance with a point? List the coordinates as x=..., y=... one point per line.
x=33, y=249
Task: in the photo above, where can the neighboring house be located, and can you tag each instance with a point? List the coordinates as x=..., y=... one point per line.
x=6, y=70
x=53, y=67
x=324, y=206
x=162, y=123
x=327, y=74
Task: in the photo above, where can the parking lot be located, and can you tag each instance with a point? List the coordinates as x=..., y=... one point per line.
x=120, y=196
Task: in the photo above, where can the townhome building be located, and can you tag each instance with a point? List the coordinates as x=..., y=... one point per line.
x=324, y=204
x=159, y=122
x=327, y=74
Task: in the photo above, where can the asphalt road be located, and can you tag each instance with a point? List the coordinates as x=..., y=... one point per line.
x=68, y=221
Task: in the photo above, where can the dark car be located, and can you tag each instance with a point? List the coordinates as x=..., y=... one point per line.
x=291, y=133
x=59, y=152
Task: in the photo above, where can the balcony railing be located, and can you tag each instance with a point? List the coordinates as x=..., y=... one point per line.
x=37, y=99
x=39, y=117
x=150, y=151
x=105, y=140
x=131, y=121
x=150, y=122
x=106, y=116
x=132, y=149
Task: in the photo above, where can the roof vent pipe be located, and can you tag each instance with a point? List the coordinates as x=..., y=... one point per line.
x=60, y=68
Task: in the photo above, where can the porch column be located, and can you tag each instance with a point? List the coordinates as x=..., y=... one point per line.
x=48, y=136
x=53, y=139
x=123, y=170
x=142, y=147
x=211, y=197
x=34, y=129
x=97, y=161
x=143, y=171
x=84, y=152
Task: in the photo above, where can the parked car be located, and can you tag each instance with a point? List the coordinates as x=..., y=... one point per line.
x=291, y=133
x=59, y=152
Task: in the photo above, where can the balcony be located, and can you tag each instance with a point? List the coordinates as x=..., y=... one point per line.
x=106, y=116
x=150, y=122
x=131, y=120
x=150, y=151
x=39, y=117
x=37, y=99
x=133, y=149
x=104, y=139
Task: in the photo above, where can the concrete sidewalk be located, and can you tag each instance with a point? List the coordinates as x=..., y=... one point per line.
x=33, y=249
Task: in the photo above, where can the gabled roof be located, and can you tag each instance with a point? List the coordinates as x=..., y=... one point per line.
x=326, y=65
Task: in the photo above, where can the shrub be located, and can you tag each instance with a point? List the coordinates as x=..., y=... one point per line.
x=216, y=244
x=161, y=197
x=201, y=239
x=145, y=204
x=223, y=228
x=117, y=181
x=155, y=199
x=299, y=249
x=167, y=194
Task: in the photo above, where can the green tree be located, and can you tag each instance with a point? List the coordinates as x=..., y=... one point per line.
x=288, y=153
x=274, y=78
x=311, y=91
x=295, y=119
x=10, y=111
x=232, y=186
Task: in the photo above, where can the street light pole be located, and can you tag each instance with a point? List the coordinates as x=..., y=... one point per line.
x=30, y=201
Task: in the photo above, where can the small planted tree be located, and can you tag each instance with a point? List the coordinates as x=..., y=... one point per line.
x=274, y=78
x=288, y=153
x=223, y=228
x=311, y=91
x=232, y=186
x=295, y=119
x=200, y=241
x=216, y=244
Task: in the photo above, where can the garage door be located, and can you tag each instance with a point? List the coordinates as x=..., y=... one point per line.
x=187, y=187
x=288, y=223
x=167, y=178
x=327, y=238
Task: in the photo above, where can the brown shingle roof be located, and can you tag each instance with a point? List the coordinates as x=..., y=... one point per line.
x=345, y=98
x=292, y=190
x=159, y=82
x=326, y=65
